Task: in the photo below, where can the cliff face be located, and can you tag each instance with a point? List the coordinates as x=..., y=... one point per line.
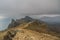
x=28, y=29
x=13, y=24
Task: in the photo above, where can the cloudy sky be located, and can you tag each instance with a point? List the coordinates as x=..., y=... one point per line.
x=17, y=8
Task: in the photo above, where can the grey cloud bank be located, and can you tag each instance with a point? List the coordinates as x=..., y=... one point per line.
x=15, y=8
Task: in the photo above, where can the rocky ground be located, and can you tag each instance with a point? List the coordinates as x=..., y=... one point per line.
x=23, y=34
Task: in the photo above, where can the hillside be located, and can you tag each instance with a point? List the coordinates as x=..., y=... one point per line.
x=28, y=29
x=24, y=34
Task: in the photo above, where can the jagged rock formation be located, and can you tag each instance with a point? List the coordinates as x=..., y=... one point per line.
x=10, y=35
x=17, y=22
x=13, y=24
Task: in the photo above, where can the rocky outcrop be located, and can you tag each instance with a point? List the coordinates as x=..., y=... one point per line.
x=17, y=22
x=13, y=24
x=10, y=35
x=26, y=19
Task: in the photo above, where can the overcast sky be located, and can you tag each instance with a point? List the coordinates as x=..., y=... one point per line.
x=16, y=8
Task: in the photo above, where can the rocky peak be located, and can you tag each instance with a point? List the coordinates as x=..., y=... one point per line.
x=27, y=17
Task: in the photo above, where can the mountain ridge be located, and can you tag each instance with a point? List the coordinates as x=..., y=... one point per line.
x=30, y=29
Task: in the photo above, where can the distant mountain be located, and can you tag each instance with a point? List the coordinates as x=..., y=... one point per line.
x=51, y=19
x=53, y=23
